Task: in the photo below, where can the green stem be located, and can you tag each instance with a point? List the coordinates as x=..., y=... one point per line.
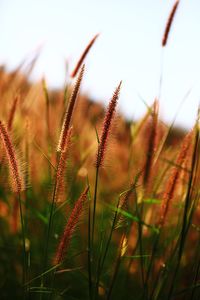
x=48, y=236
x=116, y=270
x=49, y=228
x=140, y=225
x=23, y=241
x=89, y=254
x=153, y=253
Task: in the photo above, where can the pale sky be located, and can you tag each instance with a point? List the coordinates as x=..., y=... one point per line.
x=128, y=49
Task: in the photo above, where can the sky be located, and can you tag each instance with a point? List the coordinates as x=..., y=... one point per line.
x=128, y=49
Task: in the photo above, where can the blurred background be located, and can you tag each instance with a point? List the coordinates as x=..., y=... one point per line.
x=128, y=48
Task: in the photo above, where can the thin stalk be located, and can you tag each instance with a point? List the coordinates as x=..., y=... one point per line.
x=27, y=215
x=161, y=74
x=116, y=270
x=47, y=113
x=109, y=238
x=99, y=255
x=195, y=280
x=94, y=205
x=89, y=253
x=168, y=268
x=153, y=253
x=48, y=234
x=46, y=95
x=140, y=238
x=23, y=242
x=101, y=265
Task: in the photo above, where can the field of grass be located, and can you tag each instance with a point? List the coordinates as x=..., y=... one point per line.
x=93, y=206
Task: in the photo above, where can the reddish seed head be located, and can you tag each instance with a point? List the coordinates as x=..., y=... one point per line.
x=106, y=126
x=173, y=179
x=62, y=165
x=69, y=228
x=12, y=112
x=79, y=63
x=169, y=23
x=152, y=144
x=12, y=159
x=69, y=112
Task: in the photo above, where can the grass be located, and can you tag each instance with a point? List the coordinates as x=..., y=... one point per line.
x=138, y=234
x=106, y=211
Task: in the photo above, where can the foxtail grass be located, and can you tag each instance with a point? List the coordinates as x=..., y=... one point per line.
x=167, y=198
x=100, y=156
x=151, y=147
x=17, y=183
x=169, y=23
x=70, y=228
x=62, y=148
x=69, y=112
x=187, y=213
x=46, y=94
x=59, y=186
x=12, y=112
x=173, y=179
x=17, y=179
x=84, y=54
x=108, y=119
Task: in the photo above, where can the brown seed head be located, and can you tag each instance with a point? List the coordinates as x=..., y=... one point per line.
x=12, y=112
x=173, y=179
x=79, y=63
x=152, y=144
x=69, y=112
x=69, y=228
x=169, y=23
x=12, y=159
x=106, y=126
x=61, y=166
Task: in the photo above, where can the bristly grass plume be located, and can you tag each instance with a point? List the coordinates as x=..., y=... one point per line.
x=69, y=112
x=169, y=23
x=106, y=126
x=70, y=227
x=84, y=54
x=16, y=177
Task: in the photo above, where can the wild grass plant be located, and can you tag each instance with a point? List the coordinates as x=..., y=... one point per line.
x=93, y=206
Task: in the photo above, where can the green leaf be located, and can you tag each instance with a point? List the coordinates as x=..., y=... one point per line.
x=152, y=201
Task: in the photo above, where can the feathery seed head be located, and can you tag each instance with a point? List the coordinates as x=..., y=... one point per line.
x=12, y=112
x=12, y=159
x=69, y=228
x=107, y=125
x=69, y=112
x=173, y=179
x=61, y=165
x=169, y=23
x=79, y=63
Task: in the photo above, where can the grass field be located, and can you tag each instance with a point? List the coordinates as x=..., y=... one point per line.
x=93, y=206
